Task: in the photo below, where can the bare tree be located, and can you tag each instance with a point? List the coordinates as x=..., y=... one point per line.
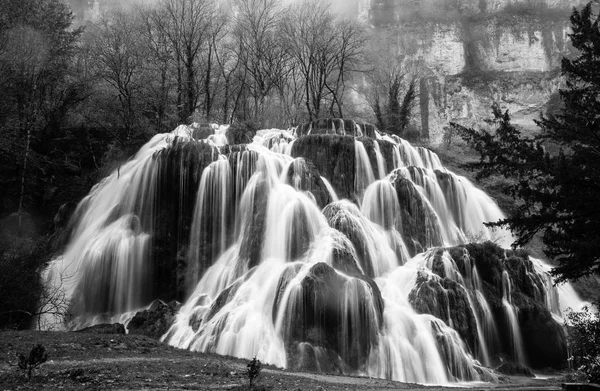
x=158, y=67
x=187, y=24
x=118, y=61
x=348, y=59
x=326, y=51
x=260, y=51
x=212, y=65
x=227, y=64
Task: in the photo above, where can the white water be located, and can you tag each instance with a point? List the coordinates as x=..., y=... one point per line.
x=518, y=352
x=249, y=307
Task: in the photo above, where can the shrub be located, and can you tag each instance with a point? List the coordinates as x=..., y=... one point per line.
x=584, y=342
x=254, y=368
x=37, y=356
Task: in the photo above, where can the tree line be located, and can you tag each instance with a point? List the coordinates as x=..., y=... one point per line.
x=106, y=87
x=77, y=100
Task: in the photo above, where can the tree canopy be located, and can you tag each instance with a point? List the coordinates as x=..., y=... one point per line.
x=555, y=174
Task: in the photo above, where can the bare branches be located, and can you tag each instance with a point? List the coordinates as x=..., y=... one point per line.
x=327, y=51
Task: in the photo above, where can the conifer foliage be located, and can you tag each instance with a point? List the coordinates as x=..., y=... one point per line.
x=555, y=174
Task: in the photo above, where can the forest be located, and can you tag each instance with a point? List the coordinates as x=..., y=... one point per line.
x=79, y=99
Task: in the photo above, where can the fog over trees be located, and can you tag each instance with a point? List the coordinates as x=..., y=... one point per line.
x=81, y=95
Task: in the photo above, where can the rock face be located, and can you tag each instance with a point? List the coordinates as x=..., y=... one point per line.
x=446, y=296
x=333, y=156
x=473, y=53
x=155, y=321
x=320, y=326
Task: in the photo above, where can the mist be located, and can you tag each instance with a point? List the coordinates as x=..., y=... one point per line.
x=86, y=9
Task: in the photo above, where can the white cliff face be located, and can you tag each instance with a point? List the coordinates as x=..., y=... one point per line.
x=474, y=53
x=518, y=52
x=446, y=54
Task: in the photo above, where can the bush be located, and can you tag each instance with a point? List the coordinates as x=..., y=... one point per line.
x=584, y=342
x=254, y=368
x=23, y=297
x=37, y=356
x=20, y=260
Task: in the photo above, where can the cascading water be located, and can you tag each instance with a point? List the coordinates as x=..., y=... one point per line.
x=513, y=322
x=364, y=171
x=295, y=251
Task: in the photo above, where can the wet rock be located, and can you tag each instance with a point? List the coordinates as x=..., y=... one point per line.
x=417, y=222
x=306, y=357
x=514, y=369
x=155, y=321
x=224, y=297
x=537, y=325
x=240, y=134
x=254, y=228
x=336, y=126
x=180, y=168
x=348, y=223
x=448, y=301
x=333, y=313
x=304, y=175
x=201, y=131
x=545, y=340
x=333, y=156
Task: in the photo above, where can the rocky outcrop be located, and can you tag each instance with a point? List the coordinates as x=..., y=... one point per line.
x=418, y=223
x=303, y=175
x=155, y=321
x=513, y=369
x=180, y=168
x=451, y=298
x=471, y=54
x=447, y=300
x=331, y=320
x=333, y=156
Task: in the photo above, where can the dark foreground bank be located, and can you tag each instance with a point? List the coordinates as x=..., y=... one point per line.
x=116, y=361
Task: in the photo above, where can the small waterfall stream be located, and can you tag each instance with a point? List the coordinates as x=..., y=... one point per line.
x=513, y=320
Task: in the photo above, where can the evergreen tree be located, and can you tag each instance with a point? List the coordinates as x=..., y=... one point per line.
x=556, y=173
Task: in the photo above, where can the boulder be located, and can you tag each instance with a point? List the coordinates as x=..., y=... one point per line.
x=335, y=314
x=514, y=369
x=446, y=300
x=240, y=133
x=155, y=321
x=417, y=221
x=333, y=156
x=303, y=175
x=544, y=340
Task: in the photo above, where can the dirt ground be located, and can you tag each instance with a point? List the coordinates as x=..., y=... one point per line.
x=104, y=361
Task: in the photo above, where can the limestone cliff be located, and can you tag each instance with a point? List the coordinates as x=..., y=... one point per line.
x=472, y=53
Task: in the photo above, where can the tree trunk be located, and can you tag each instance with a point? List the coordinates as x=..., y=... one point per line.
x=208, y=97
x=26, y=126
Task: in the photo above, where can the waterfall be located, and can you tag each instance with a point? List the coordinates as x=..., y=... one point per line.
x=381, y=166
x=292, y=249
x=513, y=320
x=364, y=171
